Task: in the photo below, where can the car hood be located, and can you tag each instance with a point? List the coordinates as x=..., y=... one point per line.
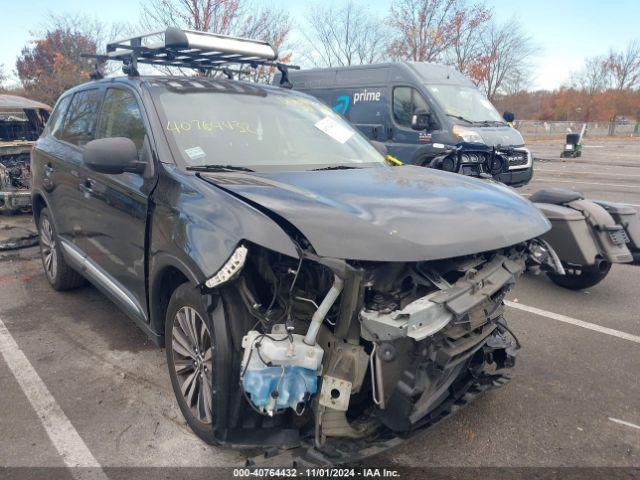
x=390, y=214
x=503, y=136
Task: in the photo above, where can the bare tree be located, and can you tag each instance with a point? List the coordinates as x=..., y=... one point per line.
x=3, y=76
x=506, y=51
x=345, y=35
x=594, y=76
x=422, y=29
x=624, y=67
x=219, y=16
x=468, y=27
x=226, y=17
x=90, y=27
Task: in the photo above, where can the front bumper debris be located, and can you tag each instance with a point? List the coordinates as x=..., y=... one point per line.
x=306, y=455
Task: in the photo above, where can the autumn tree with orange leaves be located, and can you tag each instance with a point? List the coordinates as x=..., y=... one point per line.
x=426, y=30
x=50, y=65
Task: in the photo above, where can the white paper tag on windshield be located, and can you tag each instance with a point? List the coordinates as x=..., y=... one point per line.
x=195, y=153
x=332, y=128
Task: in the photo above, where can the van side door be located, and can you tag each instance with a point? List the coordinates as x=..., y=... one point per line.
x=405, y=143
x=116, y=206
x=366, y=110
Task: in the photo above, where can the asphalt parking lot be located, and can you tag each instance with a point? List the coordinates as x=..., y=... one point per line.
x=574, y=399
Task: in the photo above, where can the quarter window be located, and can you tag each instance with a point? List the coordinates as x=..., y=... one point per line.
x=80, y=121
x=406, y=101
x=121, y=117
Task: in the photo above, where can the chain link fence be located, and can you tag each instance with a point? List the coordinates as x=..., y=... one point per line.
x=541, y=129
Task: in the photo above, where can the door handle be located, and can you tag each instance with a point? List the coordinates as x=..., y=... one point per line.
x=87, y=186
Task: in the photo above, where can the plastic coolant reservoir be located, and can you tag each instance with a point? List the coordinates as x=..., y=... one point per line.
x=281, y=370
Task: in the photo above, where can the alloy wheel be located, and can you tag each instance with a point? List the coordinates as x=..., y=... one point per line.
x=48, y=246
x=192, y=361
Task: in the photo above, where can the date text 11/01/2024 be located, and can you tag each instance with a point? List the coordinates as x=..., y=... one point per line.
x=317, y=472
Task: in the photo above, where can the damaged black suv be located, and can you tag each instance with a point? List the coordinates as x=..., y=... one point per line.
x=308, y=294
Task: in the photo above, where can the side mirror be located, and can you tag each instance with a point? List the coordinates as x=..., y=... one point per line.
x=421, y=120
x=509, y=117
x=380, y=147
x=112, y=156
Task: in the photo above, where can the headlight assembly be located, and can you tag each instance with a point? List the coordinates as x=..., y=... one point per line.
x=466, y=134
x=230, y=269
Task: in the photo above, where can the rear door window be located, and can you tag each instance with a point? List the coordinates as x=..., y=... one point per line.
x=121, y=117
x=406, y=101
x=80, y=120
x=57, y=118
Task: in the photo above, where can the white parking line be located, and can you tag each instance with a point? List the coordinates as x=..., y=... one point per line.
x=574, y=321
x=625, y=203
x=63, y=435
x=626, y=424
x=575, y=172
x=553, y=180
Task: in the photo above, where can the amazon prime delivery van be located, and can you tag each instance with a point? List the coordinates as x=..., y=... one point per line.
x=381, y=100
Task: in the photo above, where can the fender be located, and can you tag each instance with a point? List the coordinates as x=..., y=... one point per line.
x=195, y=227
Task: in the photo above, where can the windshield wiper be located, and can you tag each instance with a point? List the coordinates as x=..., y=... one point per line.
x=495, y=123
x=334, y=167
x=218, y=168
x=461, y=118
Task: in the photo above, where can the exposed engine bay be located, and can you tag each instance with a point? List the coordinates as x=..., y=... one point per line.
x=335, y=351
x=15, y=171
x=15, y=178
x=21, y=122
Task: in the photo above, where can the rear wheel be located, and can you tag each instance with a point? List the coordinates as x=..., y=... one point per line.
x=59, y=274
x=578, y=279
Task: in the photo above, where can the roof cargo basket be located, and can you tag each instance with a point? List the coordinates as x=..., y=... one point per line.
x=202, y=51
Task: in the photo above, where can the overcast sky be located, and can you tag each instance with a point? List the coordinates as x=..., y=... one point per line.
x=565, y=31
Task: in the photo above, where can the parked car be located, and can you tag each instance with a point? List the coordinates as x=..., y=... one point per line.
x=21, y=122
x=381, y=100
x=308, y=294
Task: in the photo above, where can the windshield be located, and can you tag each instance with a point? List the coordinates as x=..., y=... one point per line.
x=252, y=127
x=464, y=103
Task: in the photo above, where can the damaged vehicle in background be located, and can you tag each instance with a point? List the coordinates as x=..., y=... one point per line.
x=21, y=122
x=308, y=294
x=587, y=236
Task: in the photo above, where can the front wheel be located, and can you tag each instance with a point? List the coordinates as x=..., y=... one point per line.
x=191, y=359
x=576, y=279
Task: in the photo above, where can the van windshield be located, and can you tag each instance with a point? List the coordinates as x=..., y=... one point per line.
x=465, y=103
x=255, y=128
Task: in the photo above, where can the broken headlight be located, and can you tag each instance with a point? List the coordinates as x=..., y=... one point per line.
x=230, y=269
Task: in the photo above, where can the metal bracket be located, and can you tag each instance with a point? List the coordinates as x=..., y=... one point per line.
x=335, y=393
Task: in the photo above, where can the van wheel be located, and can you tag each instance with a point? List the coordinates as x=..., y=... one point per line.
x=59, y=274
x=580, y=279
x=193, y=358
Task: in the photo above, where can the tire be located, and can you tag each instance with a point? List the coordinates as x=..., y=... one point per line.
x=584, y=279
x=194, y=362
x=58, y=272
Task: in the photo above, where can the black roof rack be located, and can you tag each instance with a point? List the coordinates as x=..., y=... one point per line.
x=202, y=51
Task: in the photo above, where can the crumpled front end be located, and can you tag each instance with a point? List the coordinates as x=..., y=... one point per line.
x=344, y=357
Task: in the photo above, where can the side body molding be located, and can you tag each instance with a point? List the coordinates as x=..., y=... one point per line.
x=107, y=284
